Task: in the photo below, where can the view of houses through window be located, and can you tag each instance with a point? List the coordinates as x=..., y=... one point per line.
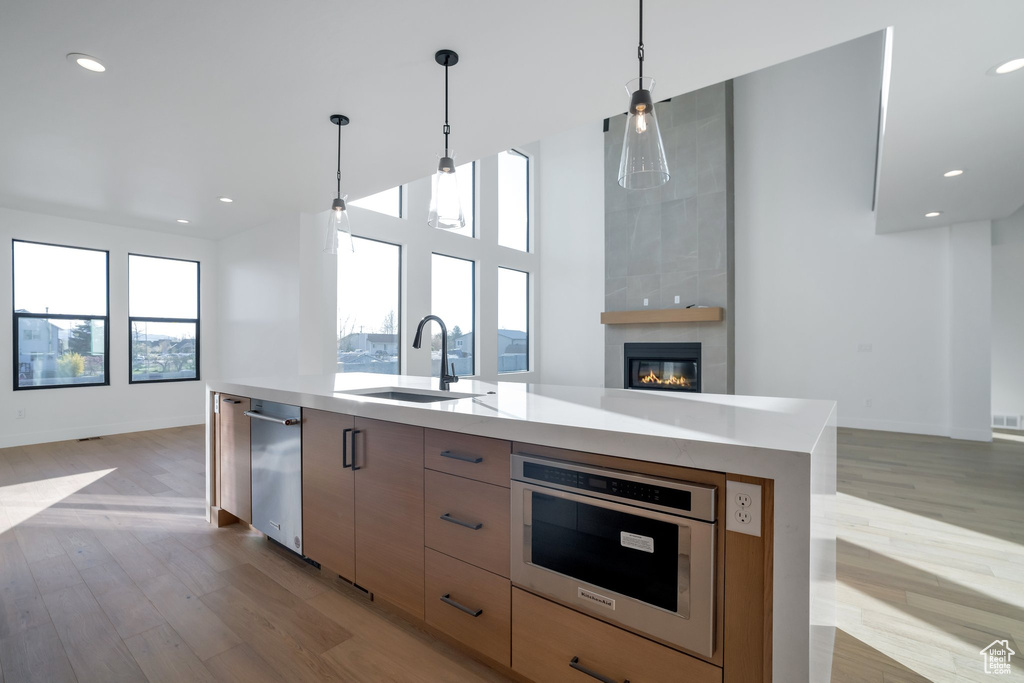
x=513, y=321
x=369, y=316
x=163, y=319
x=60, y=316
x=452, y=290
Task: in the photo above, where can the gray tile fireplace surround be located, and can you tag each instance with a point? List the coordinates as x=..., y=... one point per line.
x=675, y=240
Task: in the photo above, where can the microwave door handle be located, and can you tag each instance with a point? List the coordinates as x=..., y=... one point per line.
x=575, y=664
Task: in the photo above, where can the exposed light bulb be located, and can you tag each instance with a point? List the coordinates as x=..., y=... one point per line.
x=641, y=121
x=337, y=222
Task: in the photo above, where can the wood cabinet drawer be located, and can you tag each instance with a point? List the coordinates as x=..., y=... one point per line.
x=474, y=457
x=473, y=592
x=469, y=520
x=547, y=639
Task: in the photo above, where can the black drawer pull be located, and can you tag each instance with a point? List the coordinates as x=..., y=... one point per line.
x=471, y=612
x=353, y=464
x=231, y=401
x=575, y=664
x=469, y=525
x=345, y=464
x=463, y=458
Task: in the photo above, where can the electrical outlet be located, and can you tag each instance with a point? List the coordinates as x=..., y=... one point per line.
x=863, y=348
x=868, y=402
x=677, y=298
x=743, y=508
x=21, y=414
x=645, y=302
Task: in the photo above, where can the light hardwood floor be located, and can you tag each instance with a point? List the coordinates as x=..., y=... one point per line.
x=108, y=572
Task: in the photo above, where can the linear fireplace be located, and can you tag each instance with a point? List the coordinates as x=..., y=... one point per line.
x=672, y=366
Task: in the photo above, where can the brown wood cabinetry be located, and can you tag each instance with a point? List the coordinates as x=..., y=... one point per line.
x=389, y=511
x=469, y=520
x=554, y=644
x=469, y=604
x=474, y=457
x=235, y=470
x=328, y=491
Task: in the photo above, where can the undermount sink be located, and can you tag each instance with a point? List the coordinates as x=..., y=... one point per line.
x=395, y=394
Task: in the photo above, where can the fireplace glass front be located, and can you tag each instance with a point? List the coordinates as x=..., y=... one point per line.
x=662, y=366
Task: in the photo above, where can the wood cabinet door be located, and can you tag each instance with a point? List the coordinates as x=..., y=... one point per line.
x=328, y=494
x=235, y=458
x=389, y=512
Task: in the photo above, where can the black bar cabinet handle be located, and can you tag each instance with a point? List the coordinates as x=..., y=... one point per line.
x=344, y=448
x=231, y=400
x=471, y=612
x=463, y=458
x=469, y=525
x=575, y=664
x=353, y=464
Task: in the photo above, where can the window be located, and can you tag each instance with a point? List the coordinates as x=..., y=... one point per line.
x=452, y=291
x=513, y=320
x=466, y=177
x=163, y=319
x=388, y=202
x=60, y=316
x=514, y=200
x=369, y=307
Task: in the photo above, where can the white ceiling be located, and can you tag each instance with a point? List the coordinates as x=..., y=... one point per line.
x=202, y=99
x=946, y=113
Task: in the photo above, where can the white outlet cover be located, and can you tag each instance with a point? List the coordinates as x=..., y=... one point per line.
x=732, y=490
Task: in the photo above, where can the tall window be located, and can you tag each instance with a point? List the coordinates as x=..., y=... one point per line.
x=514, y=200
x=513, y=321
x=452, y=295
x=163, y=319
x=388, y=202
x=466, y=176
x=60, y=316
x=369, y=307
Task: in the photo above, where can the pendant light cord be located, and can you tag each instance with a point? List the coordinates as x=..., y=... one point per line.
x=339, y=160
x=447, y=129
x=640, y=47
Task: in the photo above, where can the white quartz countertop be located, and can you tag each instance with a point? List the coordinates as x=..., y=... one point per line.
x=582, y=418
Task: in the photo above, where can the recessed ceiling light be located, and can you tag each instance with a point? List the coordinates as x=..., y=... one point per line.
x=183, y=220
x=86, y=62
x=226, y=200
x=933, y=214
x=954, y=173
x=1007, y=67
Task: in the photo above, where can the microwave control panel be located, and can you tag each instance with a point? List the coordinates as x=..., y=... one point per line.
x=609, y=485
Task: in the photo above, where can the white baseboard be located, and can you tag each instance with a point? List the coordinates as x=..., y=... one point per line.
x=971, y=434
x=50, y=435
x=925, y=428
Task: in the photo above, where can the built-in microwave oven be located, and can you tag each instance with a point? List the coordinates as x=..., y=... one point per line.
x=635, y=550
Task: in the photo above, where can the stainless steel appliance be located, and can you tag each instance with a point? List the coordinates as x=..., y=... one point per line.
x=627, y=548
x=276, y=438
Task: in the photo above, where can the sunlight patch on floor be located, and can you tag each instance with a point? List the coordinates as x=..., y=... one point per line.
x=27, y=499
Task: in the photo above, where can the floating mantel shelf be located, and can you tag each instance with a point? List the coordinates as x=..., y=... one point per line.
x=664, y=315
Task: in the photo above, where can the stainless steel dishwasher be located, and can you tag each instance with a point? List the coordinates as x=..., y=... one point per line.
x=276, y=437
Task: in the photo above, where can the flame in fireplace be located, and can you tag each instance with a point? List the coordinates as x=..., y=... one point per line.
x=651, y=378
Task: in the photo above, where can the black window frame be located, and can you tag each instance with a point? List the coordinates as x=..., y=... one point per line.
x=529, y=199
x=132, y=319
x=398, y=313
x=529, y=277
x=16, y=318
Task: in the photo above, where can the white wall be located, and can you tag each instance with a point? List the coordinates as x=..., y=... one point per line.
x=570, y=197
x=71, y=413
x=825, y=308
x=260, y=301
x=1008, y=315
x=970, y=331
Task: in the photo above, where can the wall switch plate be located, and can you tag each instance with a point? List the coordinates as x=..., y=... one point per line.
x=743, y=508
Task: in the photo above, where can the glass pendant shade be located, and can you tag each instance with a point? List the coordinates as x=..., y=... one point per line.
x=445, y=203
x=338, y=230
x=643, y=163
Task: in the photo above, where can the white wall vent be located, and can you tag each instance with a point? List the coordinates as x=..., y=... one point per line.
x=1006, y=421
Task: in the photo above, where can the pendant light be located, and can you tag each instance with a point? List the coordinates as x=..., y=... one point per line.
x=643, y=164
x=337, y=219
x=445, y=203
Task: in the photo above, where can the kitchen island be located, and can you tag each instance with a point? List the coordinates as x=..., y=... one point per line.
x=785, y=448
